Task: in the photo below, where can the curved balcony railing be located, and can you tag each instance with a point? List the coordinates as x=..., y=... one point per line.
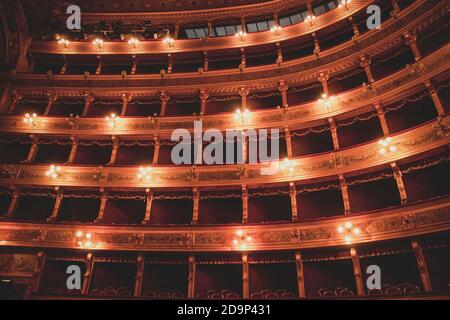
x=419, y=140
x=390, y=224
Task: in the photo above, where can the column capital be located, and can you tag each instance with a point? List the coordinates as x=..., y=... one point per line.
x=88, y=97
x=282, y=86
x=365, y=61
x=164, y=96
x=323, y=77
x=409, y=37
x=203, y=94
x=126, y=97
x=243, y=91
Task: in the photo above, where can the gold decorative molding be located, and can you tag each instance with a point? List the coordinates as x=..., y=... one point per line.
x=391, y=224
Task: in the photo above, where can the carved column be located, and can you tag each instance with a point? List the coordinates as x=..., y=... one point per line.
x=287, y=132
x=243, y=92
x=283, y=88
x=436, y=100
x=243, y=58
x=12, y=205
x=140, y=261
x=365, y=62
x=354, y=26
x=334, y=134
x=245, y=277
x=293, y=195
x=300, y=276
x=63, y=69
x=204, y=99
x=115, y=149
x=99, y=66
x=51, y=100
x=244, y=204
x=73, y=151
x=401, y=186
x=191, y=279
x=58, y=200
x=357, y=272
x=169, y=63
x=101, y=211
x=243, y=27
x=345, y=197
x=125, y=100
x=37, y=274
x=164, y=99
x=395, y=6
x=176, y=31
x=205, y=61
x=33, y=149
x=423, y=270
x=89, y=99
x=16, y=99
x=383, y=122
x=134, y=65
x=316, y=44
x=208, y=35
x=196, y=205
x=148, y=206
x=279, y=54
x=411, y=41
x=88, y=274
x=323, y=79
x=156, y=151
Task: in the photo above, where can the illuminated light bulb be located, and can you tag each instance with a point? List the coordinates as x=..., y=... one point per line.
x=88, y=236
x=241, y=35
x=54, y=172
x=348, y=239
x=98, y=42
x=249, y=239
x=30, y=118
x=144, y=173
x=235, y=242
x=242, y=116
x=340, y=230
x=63, y=42
x=344, y=3
x=112, y=120
x=327, y=101
x=386, y=146
x=79, y=234
x=357, y=231
x=276, y=29
x=169, y=40
x=348, y=225
x=240, y=233
x=133, y=42
x=310, y=18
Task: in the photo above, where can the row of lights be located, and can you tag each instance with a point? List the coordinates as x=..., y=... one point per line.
x=132, y=42
x=84, y=239
x=348, y=231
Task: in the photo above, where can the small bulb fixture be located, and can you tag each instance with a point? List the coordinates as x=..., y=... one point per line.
x=327, y=101
x=386, y=146
x=64, y=42
x=310, y=18
x=348, y=232
x=30, y=118
x=344, y=3
x=242, y=116
x=84, y=239
x=169, y=40
x=98, y=42
x=276, y=29
x=241, y=35
x=112, y=120
x=287, y=165
x=242, y=241
x=133, y=42
x=144, y=174
x=54, y=172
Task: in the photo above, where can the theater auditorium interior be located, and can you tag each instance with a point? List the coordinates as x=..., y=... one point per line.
x=356, y=205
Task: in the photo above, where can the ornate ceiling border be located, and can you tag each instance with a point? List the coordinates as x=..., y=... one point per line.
x=391, y=224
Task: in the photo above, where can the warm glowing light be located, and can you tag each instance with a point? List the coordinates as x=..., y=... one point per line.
x=242, y=116
x=242, y=241
x=287, y=165
x=241, y=35
x=98, y=42
x=169, y=40
x=276, y=29
x=112, y=120
x=327, y=101
x=348, y=231
x=344, y=3
x=310, y=18
x=30, y=118
x=64, y=42
x=144, y=174
x=386, y=146
x=54, y=172
x=84, y=240
x=133, y=42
